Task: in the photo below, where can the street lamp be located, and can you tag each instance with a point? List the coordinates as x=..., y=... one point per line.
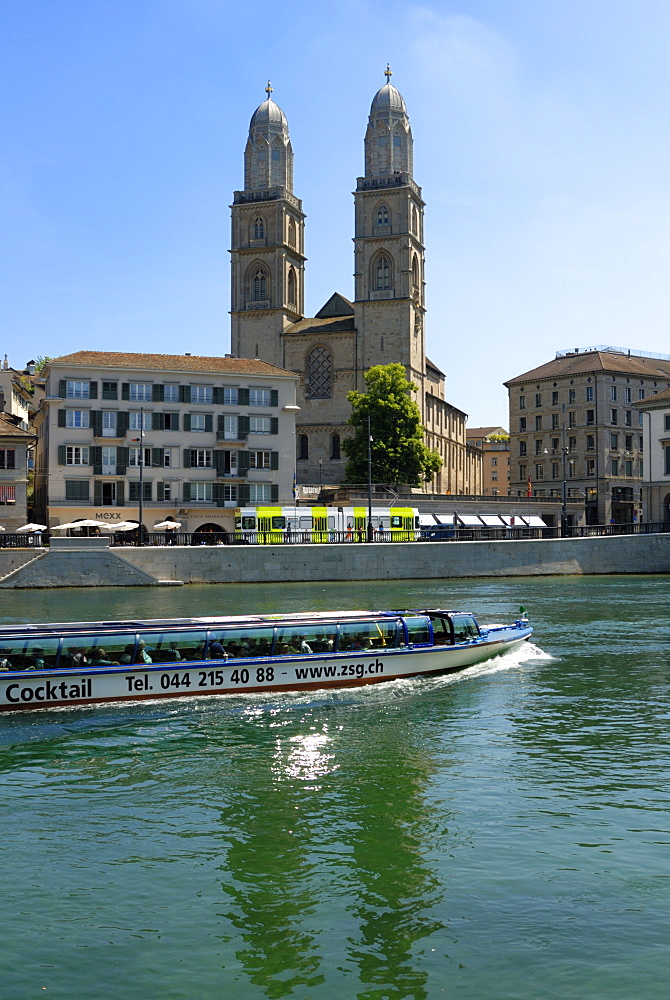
x=370, y=528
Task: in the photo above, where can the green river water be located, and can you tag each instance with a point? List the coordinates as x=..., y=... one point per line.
x=502, y=834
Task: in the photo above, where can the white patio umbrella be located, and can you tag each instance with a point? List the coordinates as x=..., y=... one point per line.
x=63, y=527
x=25, y=528
x=122, y=526
x=168, y=525
x=87, y=522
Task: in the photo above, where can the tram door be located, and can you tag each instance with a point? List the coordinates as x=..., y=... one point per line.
x=320, y=524
x=271, y=528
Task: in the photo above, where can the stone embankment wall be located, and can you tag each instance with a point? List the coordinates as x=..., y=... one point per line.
x=280, y=563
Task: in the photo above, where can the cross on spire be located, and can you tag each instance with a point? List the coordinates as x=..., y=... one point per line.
x=387, y=72
x=268, y=89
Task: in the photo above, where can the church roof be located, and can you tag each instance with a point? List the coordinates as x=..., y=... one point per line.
x=324, y=326
x=433, y=367
x=337, y=305
x=268, y=113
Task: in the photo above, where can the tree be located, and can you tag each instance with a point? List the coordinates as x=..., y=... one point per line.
x=398, y=452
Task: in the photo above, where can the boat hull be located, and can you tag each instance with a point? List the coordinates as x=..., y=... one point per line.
x=46, y=689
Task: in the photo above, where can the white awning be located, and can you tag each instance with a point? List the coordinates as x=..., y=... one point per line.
x=427, y=521
x=470, y=520
x=514, y=520
x=491, y=520
x=445, y=519
x=534, y=521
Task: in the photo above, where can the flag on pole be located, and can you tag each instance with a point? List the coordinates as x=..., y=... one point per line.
x=529, y=488
x=295, y=486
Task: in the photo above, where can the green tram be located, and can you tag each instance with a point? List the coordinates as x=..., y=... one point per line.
x=264, y=525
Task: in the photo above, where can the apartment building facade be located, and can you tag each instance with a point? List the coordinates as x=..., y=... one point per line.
x=576, y=433
x=493, y=443
x=656, y=485
x=193, y=437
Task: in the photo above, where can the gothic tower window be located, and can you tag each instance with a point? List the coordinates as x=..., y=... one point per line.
x=415, y=275
x=335, y=446
x=319, y=373
x=415, y=221
x=259, y=284
x=259, y=228
x=292, y=285
x=383, y=216
x=291, y=233
x=303, y=446
x=382, y=273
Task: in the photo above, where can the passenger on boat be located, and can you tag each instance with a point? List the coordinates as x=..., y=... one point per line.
x=171, y=654
x=37, y=659
x=78, y=655
x=4, y=662
x=304, y=645
x=141, y=656
x=98, y=658
x=216, y=651
x=283, y=649
x=234, y=649
x=127, y=654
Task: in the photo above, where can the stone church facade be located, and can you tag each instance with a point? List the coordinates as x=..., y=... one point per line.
x=385, y=323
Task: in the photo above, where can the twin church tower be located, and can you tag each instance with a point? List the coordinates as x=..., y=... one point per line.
x=384, y=323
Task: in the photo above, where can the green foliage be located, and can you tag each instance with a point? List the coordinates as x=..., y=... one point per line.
x=398, y=452
x=498, y=438
x=42, y=360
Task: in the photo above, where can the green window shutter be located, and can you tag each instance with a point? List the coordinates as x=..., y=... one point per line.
x=274, y=459
x=274, y=493
x=242, y=461
x=157, y=393
x=121, y=424
x=148, y=491
x=184, y=394
x=121, y=461
x=120, y=495
x=217, y=395
x=157, y=420
x=160, y=491
x=274, y=397
x=243, y=494
x=62, y=388
x=125, y=390
x=96, y=422
x=218, y=494
x=242, y=397
x=187, y=458
x=220, y=425
x=242, y=428
x=187, y=492
x=274, y=425
x=96, y=460
x=209, y=422
x=97, y=492
x=61, y=454
x=187, y=421
x=220, y=462
x=175, y=422
x=157, y=457
x=61, y=418
x=92, y=390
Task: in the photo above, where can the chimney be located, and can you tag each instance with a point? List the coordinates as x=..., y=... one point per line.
x=5, y=364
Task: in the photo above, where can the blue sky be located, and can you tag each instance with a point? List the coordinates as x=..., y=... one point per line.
x=541, y=142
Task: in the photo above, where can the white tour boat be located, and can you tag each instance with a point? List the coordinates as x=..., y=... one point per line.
x=91, y=663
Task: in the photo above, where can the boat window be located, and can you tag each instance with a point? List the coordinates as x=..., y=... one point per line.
x=418, y=631
x=172, y=647
x=465, y=628
x=30, y=654
x=241, y=642
x=94, y=650
x=441, y=631
x=367, y=635
x=305, y=639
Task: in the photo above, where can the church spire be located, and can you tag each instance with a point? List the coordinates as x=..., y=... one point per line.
x=388, y=139
x=268, y=157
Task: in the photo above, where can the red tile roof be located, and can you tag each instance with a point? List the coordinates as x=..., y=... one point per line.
x=170, y=362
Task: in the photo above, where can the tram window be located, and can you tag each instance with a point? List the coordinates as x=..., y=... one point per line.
x=306, y=523
x=249, y=523
x=244, y=642
x=396, y=521
x=172, y=647
x=367, y=635
x=278, y=523
x=31, y=654
x=417, y=630
x=305, y=639
x=465, y=628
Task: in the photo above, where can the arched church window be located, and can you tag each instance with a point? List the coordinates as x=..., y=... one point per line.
x=303, y=446
x=382, y=273
x=415, y=221
x=259, y=285
x=259, y=228
x=292, y=287
x=291, y=233
x=415, y=274
x=335, y=446
x=383, y=216
x=319, y=373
